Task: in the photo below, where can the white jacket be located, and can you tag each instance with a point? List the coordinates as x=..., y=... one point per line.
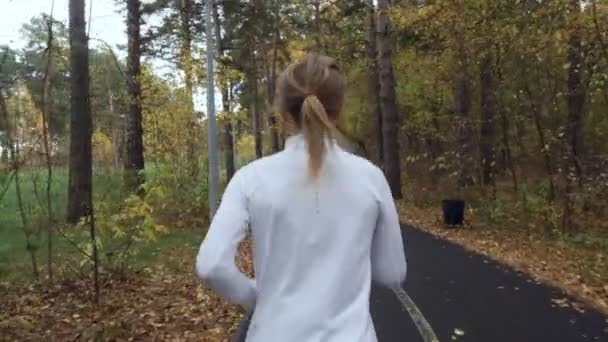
x=318, y=245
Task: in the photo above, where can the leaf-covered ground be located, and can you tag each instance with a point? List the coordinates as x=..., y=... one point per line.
x=582, y=273
x=167, y=303
x=155, y=304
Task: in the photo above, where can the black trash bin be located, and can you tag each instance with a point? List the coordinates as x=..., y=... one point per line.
x=453, y=212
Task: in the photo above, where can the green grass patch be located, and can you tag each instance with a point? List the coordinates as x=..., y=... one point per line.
x=180, y=242
x=15, y=261
x=591, y=240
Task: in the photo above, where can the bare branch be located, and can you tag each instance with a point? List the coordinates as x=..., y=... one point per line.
x=116, y=61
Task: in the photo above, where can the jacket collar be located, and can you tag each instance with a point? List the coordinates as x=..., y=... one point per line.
x=298, y=141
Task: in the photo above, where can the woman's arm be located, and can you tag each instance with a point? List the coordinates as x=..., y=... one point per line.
x=388, y=255
x=215, y=263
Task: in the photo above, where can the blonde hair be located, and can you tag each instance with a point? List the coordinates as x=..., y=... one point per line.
x=310, y=94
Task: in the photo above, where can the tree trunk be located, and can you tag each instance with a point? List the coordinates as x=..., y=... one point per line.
x=272, y=119
x=228, y=134
x=390, y=113
x=134, y=161
x=600, y=38
x=186, y=49
x=255, y=108
x=46, y=106
x=542, y=141
x=462, y=108
x=505, y=127
x=317, y=26
x=187, y=65
x=228, y=138
x=256, y=116
x=488, y=121
x=520, y=130
x=436, y=150
x=80, y=165
x=507, y=146
x=576, y=97
x=217, y=30
x=373, y=84
x=95, y=256
x=116, y=128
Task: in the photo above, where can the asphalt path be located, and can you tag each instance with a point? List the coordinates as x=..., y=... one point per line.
x=467, y=297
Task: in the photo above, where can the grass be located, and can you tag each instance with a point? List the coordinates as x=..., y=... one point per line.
x=178, y=240
x=15, y=262
x=590, y=240
x=13, y=255
x=14, y=258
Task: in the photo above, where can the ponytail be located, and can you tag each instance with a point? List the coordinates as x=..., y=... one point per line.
x=316, y=127
x=312, y=93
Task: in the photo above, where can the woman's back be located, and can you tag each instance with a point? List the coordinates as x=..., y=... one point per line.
x=319, y=241
x=313, y=244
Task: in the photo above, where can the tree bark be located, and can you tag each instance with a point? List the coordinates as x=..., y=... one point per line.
x=255, y=107
x=272, y=119
x=46, y=106
x=228, y=138
x=542, y=141
x=507, y=146
x=462, y=108
x=117, y=131
x=95, y=256
x=576, y=97
x=505, y=127
x=317, y=26
x=187, y=65
x=373, y=85
x=253, y=86
x=390, y=113
x=228, y=133
x=186, y=49
x=80, y=164
x=134, y=161
x=436, y=150
x=488, y=121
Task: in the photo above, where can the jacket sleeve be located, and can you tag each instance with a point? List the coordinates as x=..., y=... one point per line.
x=389, y=266
x=215, y=263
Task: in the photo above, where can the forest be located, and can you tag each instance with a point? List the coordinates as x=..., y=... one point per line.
x=105, y=162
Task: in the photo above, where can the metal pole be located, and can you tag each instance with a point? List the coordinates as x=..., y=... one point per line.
x=213, y=158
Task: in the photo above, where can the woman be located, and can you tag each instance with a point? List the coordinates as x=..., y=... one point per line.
x=323, y=221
